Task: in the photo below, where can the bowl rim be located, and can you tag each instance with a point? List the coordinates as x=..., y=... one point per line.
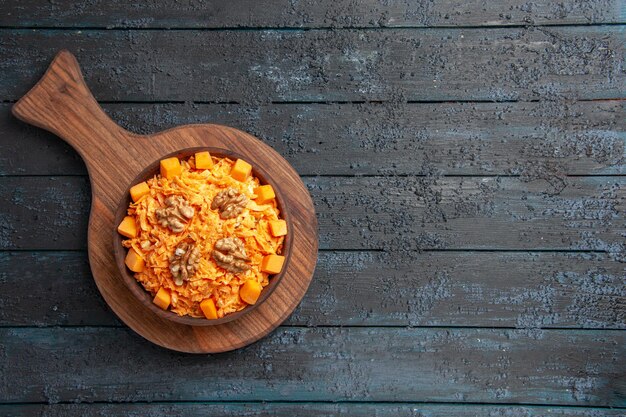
x=144, y=296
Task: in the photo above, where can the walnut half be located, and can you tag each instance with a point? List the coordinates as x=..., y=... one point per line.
x=230, y=254
x=230, y=203
x=184, y=262
x=176, y=213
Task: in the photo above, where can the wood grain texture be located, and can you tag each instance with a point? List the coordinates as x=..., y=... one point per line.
x=523, y=290
x=373, y=139
x=396, y=214
x=354, y=364
x=317, y=80
x=226, y=409
x=306, y=14
x=327, y=65
x=61, y=103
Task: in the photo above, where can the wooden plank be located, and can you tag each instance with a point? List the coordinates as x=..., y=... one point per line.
x=582, y=62
x=306, y=14
x=415, y=138
x=397, y=214
x=60, y=291
x=26, y=150
x=524, y=290
x=300, y=409
x=58, y=215
x=328, y=364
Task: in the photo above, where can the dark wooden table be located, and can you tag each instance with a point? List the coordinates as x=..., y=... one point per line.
x=467, y=161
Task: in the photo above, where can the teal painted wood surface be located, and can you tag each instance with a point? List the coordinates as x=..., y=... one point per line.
x=469, y=180
x=302, y=409
x=557, y=137
x=309, y=13
x=580, y=62
x=396, y=214
x=519, y=289
x=572, y=367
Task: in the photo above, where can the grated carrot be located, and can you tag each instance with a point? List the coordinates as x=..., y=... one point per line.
x=155, y=243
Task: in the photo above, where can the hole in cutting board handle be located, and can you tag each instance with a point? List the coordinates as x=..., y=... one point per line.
x=61, y=103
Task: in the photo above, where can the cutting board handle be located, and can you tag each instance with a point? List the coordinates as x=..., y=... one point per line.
x=62, y=104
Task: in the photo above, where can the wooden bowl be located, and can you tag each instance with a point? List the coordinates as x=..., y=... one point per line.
x=143, y=295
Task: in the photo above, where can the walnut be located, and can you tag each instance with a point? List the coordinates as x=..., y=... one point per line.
x=230, y=254
x=176, y=213
x=184, y=262
x=230, y=203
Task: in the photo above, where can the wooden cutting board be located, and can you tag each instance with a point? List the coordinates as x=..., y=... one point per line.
x=61, y=103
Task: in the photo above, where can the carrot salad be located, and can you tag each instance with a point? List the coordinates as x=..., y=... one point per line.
x=202, y=239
